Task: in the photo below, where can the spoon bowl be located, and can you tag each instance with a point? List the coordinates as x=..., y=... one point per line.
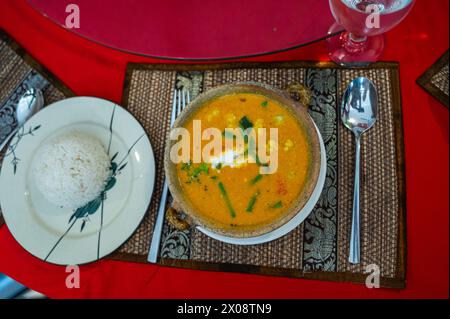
x=359, y=106
x=31, y=102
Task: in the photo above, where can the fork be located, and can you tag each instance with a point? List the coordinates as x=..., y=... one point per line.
x=180, y=100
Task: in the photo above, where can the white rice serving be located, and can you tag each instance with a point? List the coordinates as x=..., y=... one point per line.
x=71, y=170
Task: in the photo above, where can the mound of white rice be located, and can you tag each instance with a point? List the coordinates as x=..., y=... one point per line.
x=71, y=170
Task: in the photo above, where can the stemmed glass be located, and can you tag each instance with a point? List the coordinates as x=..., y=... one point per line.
x=364, y=22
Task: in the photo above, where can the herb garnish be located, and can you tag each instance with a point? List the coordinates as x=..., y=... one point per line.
x=227, y=199
x=186, y=166
x=256, y=179
x=276, y=205
x=194, y=174
x=245, y=123
x=252, y=202
x=258, y=162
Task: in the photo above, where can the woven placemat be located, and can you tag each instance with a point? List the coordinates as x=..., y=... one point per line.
x=18, y=72
x=435, y=79
x=318, y=248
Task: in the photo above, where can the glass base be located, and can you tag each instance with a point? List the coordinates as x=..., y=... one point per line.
x=344, y=50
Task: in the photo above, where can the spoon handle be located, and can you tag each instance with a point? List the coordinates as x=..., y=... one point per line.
x=5, y=142
x=354, y=237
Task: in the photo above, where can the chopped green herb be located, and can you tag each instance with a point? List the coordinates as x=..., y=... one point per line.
x=195, y=174
x=256, y=179
x=258, y=162
x=245, y=123
x=202, y=168
x=227, y=199
x=265, y=103
x=218, y=166
x=252, y=202
x=276, y=205
x=214, y=177
x=186, y=166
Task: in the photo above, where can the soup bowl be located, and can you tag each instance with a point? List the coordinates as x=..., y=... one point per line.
x=219, y=190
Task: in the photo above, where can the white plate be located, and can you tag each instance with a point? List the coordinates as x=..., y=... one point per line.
x=294, y=222
x=46, y=230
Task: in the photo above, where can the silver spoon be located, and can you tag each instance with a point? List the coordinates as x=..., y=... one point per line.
x=29, y=104
x=358, y=113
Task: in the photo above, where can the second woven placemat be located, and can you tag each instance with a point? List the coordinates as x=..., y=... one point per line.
x=435, y=79
x=318, y=248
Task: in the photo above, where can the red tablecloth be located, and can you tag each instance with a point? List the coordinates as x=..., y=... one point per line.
x=90, y=69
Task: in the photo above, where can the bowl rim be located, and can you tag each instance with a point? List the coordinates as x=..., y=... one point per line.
x=295, y=108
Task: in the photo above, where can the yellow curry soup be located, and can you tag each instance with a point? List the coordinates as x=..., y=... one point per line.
x=237, y=197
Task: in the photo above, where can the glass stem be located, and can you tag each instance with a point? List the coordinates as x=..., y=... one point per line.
x=356, y=39
x=353, y=43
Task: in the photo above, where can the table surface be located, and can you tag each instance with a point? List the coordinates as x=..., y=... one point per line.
x=93, y=70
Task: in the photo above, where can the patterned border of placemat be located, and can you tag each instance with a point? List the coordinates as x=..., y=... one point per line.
x=431, y=80
x=37, y=67
x=398, y=281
